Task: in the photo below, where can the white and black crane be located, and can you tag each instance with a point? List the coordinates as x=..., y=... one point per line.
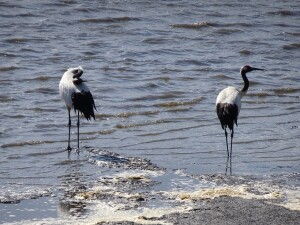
x=76, y=94
x=228, y=106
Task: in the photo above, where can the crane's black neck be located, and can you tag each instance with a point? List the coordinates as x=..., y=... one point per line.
x=246, y=81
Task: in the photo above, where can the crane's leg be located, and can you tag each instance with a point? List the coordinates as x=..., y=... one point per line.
x=232, y=132
x=226, y=134
x=78, y=131
x=69, y=148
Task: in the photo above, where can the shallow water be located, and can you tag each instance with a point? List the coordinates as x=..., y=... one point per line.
x=155, y=69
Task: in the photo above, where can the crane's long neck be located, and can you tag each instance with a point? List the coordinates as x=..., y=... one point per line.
x=246, y=83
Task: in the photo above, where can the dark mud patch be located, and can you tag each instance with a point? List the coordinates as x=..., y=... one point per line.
x=231, y=210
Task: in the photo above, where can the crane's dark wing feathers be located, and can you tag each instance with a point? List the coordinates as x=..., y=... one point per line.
x=83, y=102
x=227, y=114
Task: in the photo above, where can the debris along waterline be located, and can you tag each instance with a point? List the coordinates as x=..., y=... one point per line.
x=102, y=213
x=148, y=207
x=232, y=191
x=126, y=197
x=120, y=199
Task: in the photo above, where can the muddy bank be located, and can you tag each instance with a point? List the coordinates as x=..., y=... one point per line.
x=226, y=211
x=231, y=210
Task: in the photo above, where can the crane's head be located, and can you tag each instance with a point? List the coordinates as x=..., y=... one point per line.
x=76, y=72
x=247, y=68
x=73, y=73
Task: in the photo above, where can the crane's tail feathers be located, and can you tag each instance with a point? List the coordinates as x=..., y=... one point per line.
x=84, y=102
x=227, y=114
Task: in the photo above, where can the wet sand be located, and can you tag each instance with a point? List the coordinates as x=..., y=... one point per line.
x=228, y=211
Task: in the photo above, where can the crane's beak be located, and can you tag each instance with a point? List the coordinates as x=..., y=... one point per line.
x=253, y=68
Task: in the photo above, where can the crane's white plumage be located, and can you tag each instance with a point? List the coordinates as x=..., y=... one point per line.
x=230, y=95
x=77, y=95
x=67, y=87
x=228, y=106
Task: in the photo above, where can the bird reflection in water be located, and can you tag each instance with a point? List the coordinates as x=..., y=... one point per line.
x=73, y=182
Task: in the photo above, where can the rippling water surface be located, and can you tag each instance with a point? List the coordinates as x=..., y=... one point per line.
x=155, y=69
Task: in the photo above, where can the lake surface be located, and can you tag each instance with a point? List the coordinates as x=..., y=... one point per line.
x=155, y=69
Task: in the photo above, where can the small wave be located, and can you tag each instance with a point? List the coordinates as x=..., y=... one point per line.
x=133, y=125
x=16, y=116
x=227, y=31
x=245, y=52
x=155, y=97
x=192, y=25
x=104, y=132
x=180, y=103
x=17, y=40
x=27, y=14
x=42, y=78
x=9, y=55
x=293, y=46
x=296, y=34
x=163, y=78
x=259, y=94
x=149, y=85
x=119, y=69
x=191, y=62
x=287, y=90
x=155, y=40
x=39, y=78
x=129, y=114
x=6, y=98
x=236, y=25
x=8, y=68
x=21, y=144
x=176, y=109
x=42, y=153
x=108, y=20
x=283, y=13
x=222, y=76
x=31, y=50
x=42, y=91
x=38, y=109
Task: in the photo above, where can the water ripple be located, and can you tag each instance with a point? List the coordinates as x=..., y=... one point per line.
x=109, y=20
